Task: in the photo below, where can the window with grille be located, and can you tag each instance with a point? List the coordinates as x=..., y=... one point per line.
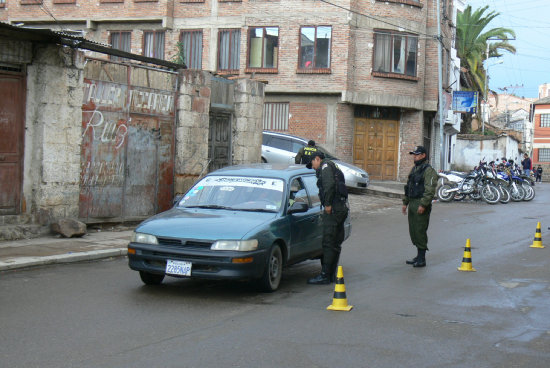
x=191, y=48
x=153, y=44
x=315, y=45
x=229, y=46
x=120, y=41
x=263, y=48
x=544, y=154
x=276, y=116
x=544, y=120
x=395, y=53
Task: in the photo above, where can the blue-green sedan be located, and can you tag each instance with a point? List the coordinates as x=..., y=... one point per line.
x=239, y=222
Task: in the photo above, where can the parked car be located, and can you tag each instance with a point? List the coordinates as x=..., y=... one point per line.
x=282, y=148
x=238, y=222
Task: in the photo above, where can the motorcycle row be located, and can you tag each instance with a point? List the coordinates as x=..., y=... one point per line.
x=491, y=182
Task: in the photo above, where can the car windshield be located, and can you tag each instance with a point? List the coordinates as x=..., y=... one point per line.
x=236, y=193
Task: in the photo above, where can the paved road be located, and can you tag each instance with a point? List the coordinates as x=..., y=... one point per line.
x=98, y=314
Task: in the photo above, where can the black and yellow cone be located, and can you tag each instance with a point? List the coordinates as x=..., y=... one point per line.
x=537, y=243
x=340, y=300
x=467, y=259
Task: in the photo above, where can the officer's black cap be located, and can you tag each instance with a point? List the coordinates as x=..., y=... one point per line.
x=311, y=142
x=313, y=155
x=418, y=150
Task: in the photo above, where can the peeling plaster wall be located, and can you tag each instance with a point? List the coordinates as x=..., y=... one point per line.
x=51, y=183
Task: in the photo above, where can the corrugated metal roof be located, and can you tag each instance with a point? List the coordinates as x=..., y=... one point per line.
x=71, y=40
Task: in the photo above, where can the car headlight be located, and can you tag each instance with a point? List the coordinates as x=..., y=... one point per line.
x=144, y=238
x=237, y=245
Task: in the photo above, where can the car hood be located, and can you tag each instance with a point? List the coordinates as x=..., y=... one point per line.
x=198, y=223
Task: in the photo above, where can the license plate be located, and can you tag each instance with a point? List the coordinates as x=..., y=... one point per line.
x=178, y=268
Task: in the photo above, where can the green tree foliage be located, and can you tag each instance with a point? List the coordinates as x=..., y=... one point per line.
x=472, y=39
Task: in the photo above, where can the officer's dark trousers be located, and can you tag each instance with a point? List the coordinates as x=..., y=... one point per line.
x=418, y=224
x=333, y=237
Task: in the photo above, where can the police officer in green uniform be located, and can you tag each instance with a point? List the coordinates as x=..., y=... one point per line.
x=304, y=154
x=419, y=192
x=334, y=201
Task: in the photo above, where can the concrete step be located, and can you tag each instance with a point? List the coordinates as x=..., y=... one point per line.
x=22, y=231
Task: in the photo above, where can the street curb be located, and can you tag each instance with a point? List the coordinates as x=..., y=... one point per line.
x=385, y=193
x=24, y=262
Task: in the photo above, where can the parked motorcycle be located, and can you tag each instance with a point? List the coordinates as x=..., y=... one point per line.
x=476, y=184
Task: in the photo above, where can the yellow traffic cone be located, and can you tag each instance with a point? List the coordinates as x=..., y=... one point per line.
x=537, y=243
x=340, y=300
x=467, y=259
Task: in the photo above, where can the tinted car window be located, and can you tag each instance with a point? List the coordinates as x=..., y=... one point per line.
x=298, y=192
x=311, y=185
x=280, y=143
x=266, y=138
x=296, y=145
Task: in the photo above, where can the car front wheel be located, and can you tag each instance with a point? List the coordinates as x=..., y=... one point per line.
x=150, y=278
x=271, y=278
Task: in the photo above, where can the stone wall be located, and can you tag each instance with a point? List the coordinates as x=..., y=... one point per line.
x=247, y=124
x=471, y=148
x=51, y=180
x=191, y=161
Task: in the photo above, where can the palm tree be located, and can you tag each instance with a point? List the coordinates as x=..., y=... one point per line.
x=472, y=39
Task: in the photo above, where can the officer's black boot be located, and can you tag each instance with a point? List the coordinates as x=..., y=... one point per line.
x=421, y=259
x=413, y=261
x=321, y=279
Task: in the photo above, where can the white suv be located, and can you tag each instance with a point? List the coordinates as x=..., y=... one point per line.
x=282, y=148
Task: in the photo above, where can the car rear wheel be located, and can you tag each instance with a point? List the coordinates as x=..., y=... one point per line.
x=271, y=278
x=150, y=278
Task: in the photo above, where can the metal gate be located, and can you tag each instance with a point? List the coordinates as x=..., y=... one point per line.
x=127, y=154
x=219, y=140
x=219, y=137
x=12, y=112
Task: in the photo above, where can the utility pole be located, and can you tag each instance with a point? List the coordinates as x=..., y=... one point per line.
x=440, y=87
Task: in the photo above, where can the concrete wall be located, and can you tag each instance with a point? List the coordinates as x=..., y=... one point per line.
x=470, y=149
x=193, y=125
x=51, y=180
x=247, y=124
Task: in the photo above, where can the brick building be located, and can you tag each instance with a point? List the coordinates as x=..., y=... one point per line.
x=541, y=140
x=358, y=76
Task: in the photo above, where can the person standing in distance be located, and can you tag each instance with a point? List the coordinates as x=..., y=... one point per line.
x=304, y=154
x=419, y=192
x=526, y=164
x=335, y=211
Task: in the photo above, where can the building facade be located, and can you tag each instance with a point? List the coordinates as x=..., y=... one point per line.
x=358, y=76
x=541, y=140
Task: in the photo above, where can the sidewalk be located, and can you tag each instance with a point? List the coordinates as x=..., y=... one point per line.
x=98, y=244
x=51, y=249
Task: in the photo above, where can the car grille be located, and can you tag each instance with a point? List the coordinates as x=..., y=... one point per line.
x=363, y=185
x=182, y=243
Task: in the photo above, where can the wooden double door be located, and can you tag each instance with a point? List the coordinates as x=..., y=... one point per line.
x=376, y=147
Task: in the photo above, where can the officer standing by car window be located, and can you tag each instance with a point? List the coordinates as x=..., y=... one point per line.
x=305, y=153
x=334, y=201
x=419, y=192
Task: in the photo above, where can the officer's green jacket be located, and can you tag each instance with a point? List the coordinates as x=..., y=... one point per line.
x=430, y=184
x=304, y=151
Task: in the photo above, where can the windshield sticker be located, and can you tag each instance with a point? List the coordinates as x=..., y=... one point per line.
x=240, y=181
x=227, y=189
x=270, y=207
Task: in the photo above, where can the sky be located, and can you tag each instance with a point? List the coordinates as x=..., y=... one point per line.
x=522, y=73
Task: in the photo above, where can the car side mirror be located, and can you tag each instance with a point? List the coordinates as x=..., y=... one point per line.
x=298, y=207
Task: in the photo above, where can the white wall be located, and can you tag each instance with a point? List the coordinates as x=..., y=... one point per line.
x=468, y=152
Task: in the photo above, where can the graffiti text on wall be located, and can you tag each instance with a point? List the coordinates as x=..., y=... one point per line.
x=101, y=173
x=116, y=96
x=106, y=131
